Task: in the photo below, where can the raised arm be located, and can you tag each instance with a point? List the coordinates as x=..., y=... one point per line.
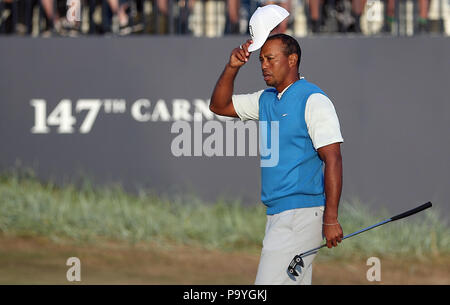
x=221, y=102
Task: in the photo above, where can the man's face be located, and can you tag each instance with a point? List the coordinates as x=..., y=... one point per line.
x=274, y=63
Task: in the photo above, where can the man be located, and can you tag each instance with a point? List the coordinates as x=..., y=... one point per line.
x=302, y=200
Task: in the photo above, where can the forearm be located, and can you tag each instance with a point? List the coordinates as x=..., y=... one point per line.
x=221, y=99
x=333, y=188
x=223, y=90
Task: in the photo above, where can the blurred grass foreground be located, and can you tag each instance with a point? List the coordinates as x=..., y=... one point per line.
x=29, y=207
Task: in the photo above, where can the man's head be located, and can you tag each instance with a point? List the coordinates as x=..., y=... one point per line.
x=280, y=60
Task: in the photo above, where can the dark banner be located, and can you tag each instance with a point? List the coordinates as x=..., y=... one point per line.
x=135, y=111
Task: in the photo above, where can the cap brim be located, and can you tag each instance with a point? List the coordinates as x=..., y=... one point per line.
x=258, y=44
x=265, y=18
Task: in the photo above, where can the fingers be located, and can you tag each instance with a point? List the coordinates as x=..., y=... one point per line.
x=340, y=237
x=333, y=235
x=332, y=242
x=329, y=243
x=245, y=47
x=240, y=55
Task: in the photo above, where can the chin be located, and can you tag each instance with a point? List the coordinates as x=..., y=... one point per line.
x=270, y=84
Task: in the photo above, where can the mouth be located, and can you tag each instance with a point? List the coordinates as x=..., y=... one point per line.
x=266, y=76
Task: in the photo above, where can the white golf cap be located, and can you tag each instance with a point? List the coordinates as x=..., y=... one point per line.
x=262, y=22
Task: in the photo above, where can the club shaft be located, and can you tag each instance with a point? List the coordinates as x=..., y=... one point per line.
x=396, y=217
x=348, y=236
x=367, y=229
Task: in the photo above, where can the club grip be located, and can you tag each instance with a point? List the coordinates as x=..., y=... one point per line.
x=412, y=212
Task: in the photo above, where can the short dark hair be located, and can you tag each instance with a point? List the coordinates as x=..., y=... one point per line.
x=291, y=45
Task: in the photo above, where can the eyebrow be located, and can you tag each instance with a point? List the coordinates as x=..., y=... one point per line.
x=266, y=55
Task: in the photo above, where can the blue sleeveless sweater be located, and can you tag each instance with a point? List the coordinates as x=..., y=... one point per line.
x=296, y=180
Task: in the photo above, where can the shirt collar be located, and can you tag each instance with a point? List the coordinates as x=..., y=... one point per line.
x=282, y=92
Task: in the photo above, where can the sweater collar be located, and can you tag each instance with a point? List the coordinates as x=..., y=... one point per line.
x=282, y=92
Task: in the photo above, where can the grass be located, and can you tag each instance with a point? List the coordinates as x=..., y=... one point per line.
x=29, y=207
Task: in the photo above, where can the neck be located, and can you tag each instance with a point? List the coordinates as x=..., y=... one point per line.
x=287, y=82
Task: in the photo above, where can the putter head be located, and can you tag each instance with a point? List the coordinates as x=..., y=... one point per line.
x=296, y=261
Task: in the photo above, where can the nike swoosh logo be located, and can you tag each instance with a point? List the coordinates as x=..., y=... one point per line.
x=284, y=114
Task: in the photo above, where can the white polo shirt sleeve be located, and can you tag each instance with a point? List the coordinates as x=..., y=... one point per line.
x=322, y=121
x=247, y=105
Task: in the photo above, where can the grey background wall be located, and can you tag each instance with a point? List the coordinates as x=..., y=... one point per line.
x=391, y=96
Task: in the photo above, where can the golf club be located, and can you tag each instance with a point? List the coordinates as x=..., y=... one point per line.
x=298, y=259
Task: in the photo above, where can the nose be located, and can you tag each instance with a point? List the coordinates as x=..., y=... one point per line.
x=264, y=64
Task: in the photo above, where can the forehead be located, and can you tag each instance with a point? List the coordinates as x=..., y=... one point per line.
x=273, y=46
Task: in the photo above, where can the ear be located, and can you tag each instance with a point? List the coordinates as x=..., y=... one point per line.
x=292, y=60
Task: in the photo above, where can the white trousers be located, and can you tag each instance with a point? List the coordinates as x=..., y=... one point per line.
x=287, y=234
